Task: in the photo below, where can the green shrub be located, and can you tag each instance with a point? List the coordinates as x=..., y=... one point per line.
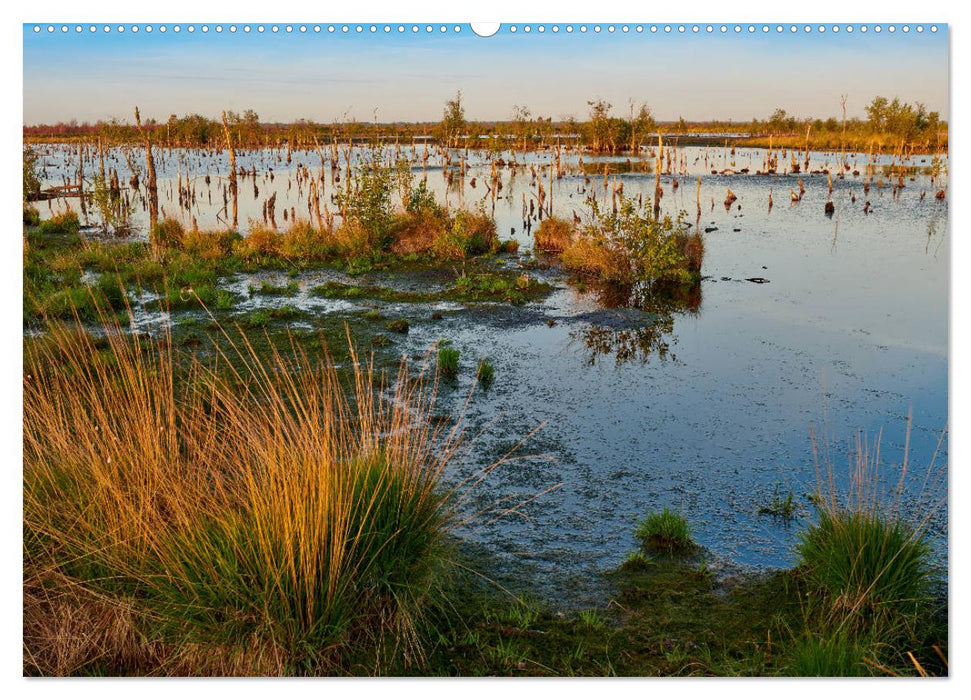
x=31, y=178
x=468, y=233
x=629, y=246
x=666, y=531
x=31, y=215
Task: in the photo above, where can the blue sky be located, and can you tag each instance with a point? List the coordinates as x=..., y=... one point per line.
x=407, y=77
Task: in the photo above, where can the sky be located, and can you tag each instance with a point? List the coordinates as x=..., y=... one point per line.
x=407, y=77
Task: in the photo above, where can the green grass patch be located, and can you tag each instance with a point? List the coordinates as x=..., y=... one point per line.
x=485, y=373
x=667, y=532
x=399, y=325
x=448, y=360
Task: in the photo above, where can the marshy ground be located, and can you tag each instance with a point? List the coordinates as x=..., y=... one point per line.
x=700, y=400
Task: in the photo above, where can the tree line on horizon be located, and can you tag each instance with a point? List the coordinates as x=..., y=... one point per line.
x=605, y=131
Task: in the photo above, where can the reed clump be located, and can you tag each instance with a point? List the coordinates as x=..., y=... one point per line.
x=167, y=234
x=249, y=515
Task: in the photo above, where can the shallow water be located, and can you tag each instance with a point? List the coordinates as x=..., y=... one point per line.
x=705, y=411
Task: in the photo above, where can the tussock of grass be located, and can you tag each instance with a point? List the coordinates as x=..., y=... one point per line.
x=168, y=234
x=780, y=507
x=867, y=561
x=448, y=360
x=866, y=564
x=399, y=325
x=253, y=503
x=666, y=532
x=209, y=245
x=485, y=373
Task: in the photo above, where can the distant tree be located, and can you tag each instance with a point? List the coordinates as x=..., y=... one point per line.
x=640, y=124
x=599, y=125
x=779, y=121
x=453, y=120
x=521, y=117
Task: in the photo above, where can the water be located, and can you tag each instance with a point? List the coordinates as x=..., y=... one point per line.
x=706, y=411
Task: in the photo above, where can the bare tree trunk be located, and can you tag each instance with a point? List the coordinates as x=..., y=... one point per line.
x=657, y=177
x=151, y=185
x=233, y=189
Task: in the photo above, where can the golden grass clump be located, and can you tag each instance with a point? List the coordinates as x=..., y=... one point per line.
x=261, y=242
x=417, y=233
x=168, y=234
x=353, y=239
x=591, y=257
x=554, y=235
x=304, y=242
x=208, y=245
x=249, y=506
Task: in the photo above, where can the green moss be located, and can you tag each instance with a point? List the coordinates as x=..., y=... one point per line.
x=289, y=290
x=399, y=325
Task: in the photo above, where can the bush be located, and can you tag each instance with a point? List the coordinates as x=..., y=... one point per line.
x=468, y=233
x=554, y=235
x=627, y=247
x=666, y=531
x=367, y=203
x=31, y=215
x=304, y=242
x=31, y=178
x=66, y=223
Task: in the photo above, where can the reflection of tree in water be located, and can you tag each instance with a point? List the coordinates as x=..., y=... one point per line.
x=652, y=336
x=931, y=234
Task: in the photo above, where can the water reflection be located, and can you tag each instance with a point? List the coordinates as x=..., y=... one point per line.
x=637, y=323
